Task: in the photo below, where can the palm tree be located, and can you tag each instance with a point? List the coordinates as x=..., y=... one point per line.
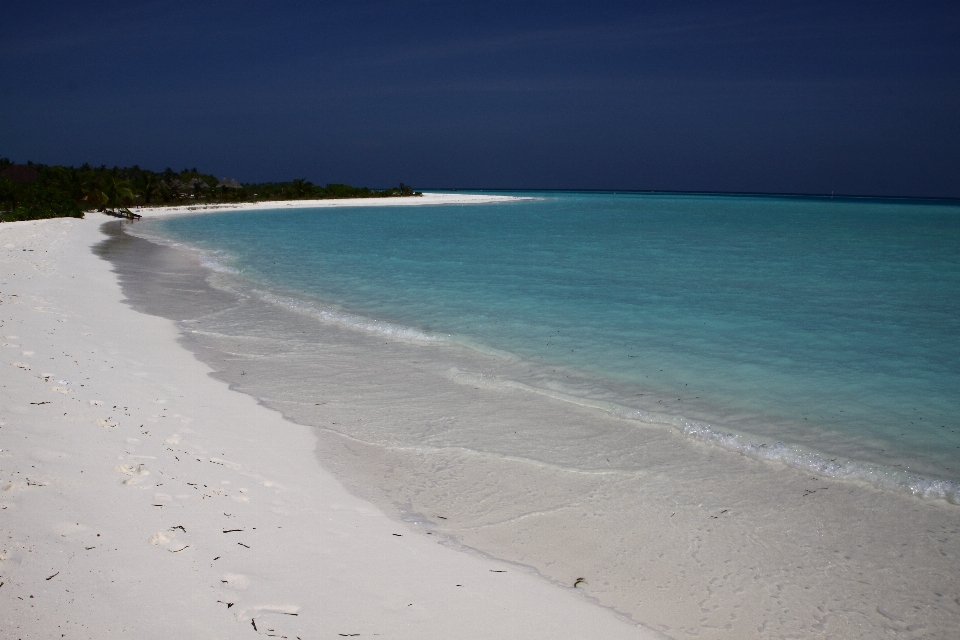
x=92, y=193
x=104, y=192
x=147, y=187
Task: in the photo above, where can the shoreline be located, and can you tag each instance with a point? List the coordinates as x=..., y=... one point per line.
x=142, y=496
x=751, y=539
x=799, y=454
x=428, y=198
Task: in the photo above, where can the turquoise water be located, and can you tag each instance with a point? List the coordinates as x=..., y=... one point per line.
x=829, y=325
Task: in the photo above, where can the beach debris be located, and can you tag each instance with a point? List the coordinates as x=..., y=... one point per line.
x=254, y=623
x=53, y=576
x=231, y=530
x=398, y=535
x=45, y=402
x=578, y=581
x=497, y=571
x=229, y=604
x=179, y=526
x=243, y=545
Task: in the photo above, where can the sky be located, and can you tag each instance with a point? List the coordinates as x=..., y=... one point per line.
x=780, y=97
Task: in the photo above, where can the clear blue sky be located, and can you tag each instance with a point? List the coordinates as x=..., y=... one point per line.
x=859, y=98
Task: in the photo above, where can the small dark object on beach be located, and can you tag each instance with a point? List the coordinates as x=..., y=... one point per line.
x=53, y=576
x=578, y=581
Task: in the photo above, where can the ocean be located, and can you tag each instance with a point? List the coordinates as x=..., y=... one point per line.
x=823, y=333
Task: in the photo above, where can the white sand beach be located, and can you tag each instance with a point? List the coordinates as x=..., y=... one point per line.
x=144, y=493
x=407, y=201
x=142, y=498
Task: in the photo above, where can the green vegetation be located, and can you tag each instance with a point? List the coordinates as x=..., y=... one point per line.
x=34, y=191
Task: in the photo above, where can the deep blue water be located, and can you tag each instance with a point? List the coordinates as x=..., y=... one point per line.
x=832, y=324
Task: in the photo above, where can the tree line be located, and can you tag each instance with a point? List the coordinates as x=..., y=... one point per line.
x=33, y=191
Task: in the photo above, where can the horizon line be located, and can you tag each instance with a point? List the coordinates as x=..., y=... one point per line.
x=766, y=194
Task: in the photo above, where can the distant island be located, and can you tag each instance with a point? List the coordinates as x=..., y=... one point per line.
x=33, y=191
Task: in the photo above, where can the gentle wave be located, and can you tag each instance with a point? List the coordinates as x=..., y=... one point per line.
x=877, y=475
x=215, y=260
x=212, y=262
x=347, y=319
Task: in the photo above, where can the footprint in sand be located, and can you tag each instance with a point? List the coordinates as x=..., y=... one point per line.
x=160, y=538
x=167, y=539
x=258, y=611
x=236, y=581
x=131, y=469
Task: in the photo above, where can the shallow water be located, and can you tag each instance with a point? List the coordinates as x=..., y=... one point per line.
x=832, y=326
